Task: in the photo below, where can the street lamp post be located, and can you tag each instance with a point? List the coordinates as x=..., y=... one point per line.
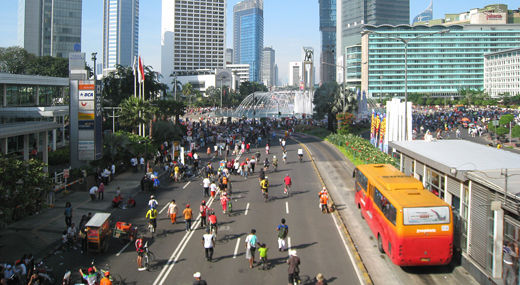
x=94, y=60
x=405, y=42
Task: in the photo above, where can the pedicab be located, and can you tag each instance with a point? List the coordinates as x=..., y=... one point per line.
x=98, y=232
x=124, y=231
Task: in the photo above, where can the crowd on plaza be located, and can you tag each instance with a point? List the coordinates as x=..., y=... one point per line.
x=445, y=122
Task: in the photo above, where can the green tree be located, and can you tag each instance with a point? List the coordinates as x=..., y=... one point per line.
x=23, y=187
x=324, y=100
x=188, y=91
x=169, y=107
x=14, y=60
x=153, y=88
x=166, y=130
x=135, y=111
x=49, y=66
x=118, y=85
x=515, y=132
x=248, y=87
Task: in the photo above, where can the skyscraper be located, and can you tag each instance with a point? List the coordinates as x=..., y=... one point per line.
x=295, y=73
x=229, y=56
x=192, y=36
x=268, y=64
x=248, y=35
x=426, y=15
x=120, y=32
x=328, y=40
x=49, y=27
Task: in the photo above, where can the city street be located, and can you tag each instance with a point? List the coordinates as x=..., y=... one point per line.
x=179, y=254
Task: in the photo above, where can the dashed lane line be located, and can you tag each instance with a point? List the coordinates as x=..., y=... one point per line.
x=247, y=209
x=287, y=207
x=236, y=248
x=186, y=185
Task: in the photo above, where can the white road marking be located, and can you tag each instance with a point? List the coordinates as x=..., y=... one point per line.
x=178, y=250
x=247, y=209
x=358, y=273
x=236, y=248
x=287, y=207
x=164, y=208
x=288, y=244
x=186, y=185
x=123, y=249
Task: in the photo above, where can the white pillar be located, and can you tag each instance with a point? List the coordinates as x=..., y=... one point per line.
x=498, y=242
x=26, y=147
x=45, y=148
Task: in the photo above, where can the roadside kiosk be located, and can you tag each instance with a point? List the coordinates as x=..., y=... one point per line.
x=98, y=232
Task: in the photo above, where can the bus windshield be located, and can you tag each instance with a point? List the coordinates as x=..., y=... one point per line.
x=426, y=215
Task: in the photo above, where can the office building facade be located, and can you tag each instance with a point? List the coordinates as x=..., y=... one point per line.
x=353, y=14
x=192, y=36
x=295, y=73
x=268, y=64
x=425, y=15
x=502, y=72
x=248, y=36
x=50, y=27
x=438, y=64
x=328, y=40
x=229, y=56
x=120, y=33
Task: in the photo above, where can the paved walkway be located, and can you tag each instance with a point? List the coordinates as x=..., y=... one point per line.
x=40, y=234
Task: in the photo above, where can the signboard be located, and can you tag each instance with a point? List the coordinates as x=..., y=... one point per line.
x=98, y=122
x=85, y=150
x=86, y=106
x=89, y=120
x=86, y=125
x=66, y=173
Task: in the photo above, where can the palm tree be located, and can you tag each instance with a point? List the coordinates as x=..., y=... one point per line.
x=187, y=90
x=135, y=111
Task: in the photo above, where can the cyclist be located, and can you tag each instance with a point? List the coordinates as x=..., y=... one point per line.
x=152, y=203
x=267, y=149
x=264, y=185
x=203, y=212
x=323, y=192
x=300, y=154
x=266, y=163
x=275, y=162
x=288, y=182
x=212, y=221
x=152, y=216
x=139, y=248
x=106, y=279
x=176, y=173
x=294, y=267
x=323, y=203
x=284, y=156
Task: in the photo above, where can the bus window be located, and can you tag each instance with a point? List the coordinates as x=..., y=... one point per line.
x=361, y=181
x=426, y=215
x=385, y=206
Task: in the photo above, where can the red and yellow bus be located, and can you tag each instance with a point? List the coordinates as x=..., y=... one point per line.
x=413, y=226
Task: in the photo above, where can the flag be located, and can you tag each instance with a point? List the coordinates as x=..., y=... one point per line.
x=141, y=71
x=134, y=65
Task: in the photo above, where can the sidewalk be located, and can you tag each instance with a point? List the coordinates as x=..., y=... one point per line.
x=40, y=234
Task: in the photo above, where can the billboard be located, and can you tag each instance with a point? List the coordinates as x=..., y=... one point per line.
x=89, y=120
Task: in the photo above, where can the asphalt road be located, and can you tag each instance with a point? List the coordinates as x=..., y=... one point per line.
x=179, y=253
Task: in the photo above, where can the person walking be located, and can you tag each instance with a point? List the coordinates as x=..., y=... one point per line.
x=251, y=241
x=294, y=267
x=172, y=211
x=208, y=241
x=101, y=191
x=68, y=214
x=198, y=280
x=187, y=217
x=205, y=184
x=283, y=230
x=203, y=212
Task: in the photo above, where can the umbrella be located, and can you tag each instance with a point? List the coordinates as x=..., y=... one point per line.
x=465, y=120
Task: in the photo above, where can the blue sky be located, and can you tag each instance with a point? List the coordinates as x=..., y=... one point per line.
x=288, y=25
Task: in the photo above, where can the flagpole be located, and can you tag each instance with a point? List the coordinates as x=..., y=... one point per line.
x=135, y=77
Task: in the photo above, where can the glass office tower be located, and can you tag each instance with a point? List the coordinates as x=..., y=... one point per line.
x=120, y=32
x=50, y=27
x=328, y=40
x=248, y=36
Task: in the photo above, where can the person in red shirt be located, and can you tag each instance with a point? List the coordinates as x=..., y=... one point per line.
x=288, y=182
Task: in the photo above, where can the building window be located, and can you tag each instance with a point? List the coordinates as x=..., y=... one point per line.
x=464, y=218
x=435, y=182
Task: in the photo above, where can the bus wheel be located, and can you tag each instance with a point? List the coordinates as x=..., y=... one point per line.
x=380, y=244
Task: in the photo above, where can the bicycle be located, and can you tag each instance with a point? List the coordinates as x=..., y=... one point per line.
x=213, y=229
x=265, y=194
x=229, y=206
x=148, y=256
x=286, y=190
x=151, y=226
x=300, y=157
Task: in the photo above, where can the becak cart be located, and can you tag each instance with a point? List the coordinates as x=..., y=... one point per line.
x=125, y=231
x=98, y=232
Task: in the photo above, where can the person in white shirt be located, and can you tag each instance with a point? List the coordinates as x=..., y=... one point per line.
x=141, y=162
x=172, y=211
x=213, y=189
x=208, y=241
x=152, y=203
x=113, y=171
x=205, y=184
x=93, y=192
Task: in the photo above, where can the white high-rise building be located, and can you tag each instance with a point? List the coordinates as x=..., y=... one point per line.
x=268, y=63
x=120, y=33
x=229, y=56
x=50, y=27
x=295, y=73
x=192, y=36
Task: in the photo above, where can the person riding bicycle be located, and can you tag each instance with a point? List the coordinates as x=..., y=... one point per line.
x=300, y=154
x=224, y=201
x=294, y=267
x=91, y=276
x=275, y=162
x=324, y=198
x=288, y=182
x=266, y=163
x=152, y=203
x=139, y=248
x=152, y=215
x=212, y=221
x=284, y=156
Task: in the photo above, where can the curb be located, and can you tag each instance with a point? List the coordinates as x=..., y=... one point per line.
x=359, y=262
